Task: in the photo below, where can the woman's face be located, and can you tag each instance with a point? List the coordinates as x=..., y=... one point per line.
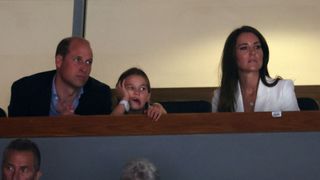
x=138, y=91
x=249, y=53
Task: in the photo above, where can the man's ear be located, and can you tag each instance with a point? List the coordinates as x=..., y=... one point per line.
x=38, y=175
x=59, y=60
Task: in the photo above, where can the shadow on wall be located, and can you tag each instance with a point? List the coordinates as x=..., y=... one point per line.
x=196, y=106
x=2, y=113
x=307, y=104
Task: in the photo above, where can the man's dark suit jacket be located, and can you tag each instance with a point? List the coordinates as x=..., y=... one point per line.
x=31, y=96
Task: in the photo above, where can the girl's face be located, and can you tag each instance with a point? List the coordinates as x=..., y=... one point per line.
x=138, y=91
x=249, y=53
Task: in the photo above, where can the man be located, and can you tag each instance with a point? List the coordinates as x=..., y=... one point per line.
x=21, y=161
x=65, y=91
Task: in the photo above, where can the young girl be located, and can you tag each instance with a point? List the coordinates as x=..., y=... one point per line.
x=134, y=91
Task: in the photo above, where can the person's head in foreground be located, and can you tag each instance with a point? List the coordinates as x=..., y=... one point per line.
x=21, y=161
x=140, y=169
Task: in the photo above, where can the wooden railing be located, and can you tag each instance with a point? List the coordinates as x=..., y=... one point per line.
x=202, y=123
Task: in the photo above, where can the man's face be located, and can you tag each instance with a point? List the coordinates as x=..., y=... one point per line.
x=74, y=69
x=20, y=165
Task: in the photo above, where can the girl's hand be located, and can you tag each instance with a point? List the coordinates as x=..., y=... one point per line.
x=122, y=92
x=155, y=111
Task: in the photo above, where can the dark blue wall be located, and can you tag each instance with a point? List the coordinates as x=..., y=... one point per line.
x=263, y=156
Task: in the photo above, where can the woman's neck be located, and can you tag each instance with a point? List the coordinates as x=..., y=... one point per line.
x=249, y=86
x=249, y=82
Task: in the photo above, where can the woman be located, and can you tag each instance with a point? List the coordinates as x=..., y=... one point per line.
x=245, y=84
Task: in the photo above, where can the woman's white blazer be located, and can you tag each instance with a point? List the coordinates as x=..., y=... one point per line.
x=280, y=97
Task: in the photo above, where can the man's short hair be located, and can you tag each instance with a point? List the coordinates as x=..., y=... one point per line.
x=23, y=145
x=64, y=44
x=63, y=47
